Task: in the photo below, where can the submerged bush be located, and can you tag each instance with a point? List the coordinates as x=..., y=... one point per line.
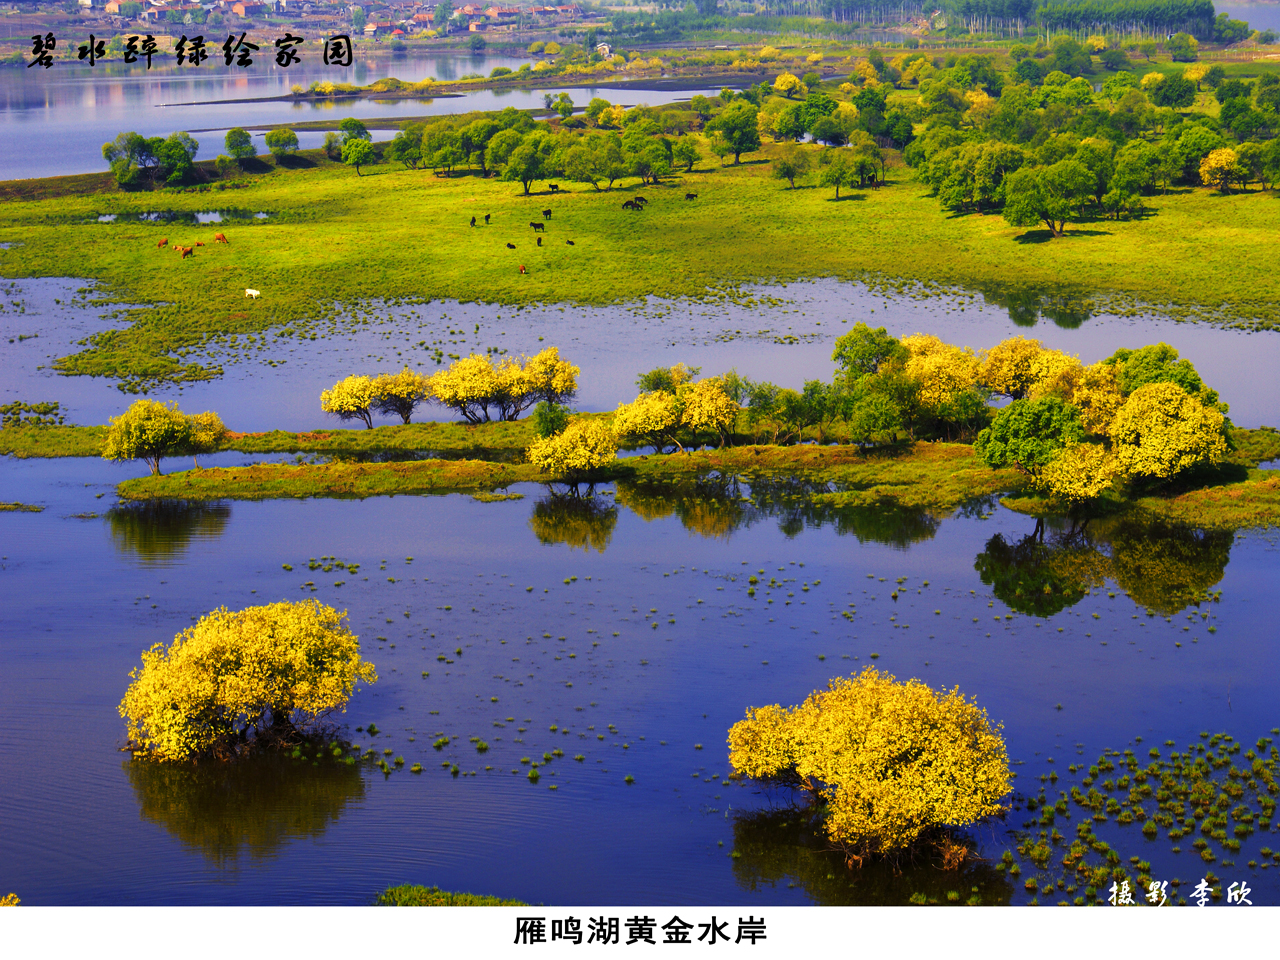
x=888, y=760
x=266, y=670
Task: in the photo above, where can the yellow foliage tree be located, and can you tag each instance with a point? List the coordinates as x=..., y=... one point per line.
x=813, y=58
x=787, y=84
x=1161, y=431
x=705, y=406
x=942, y=370
x=351, y=399
x=1152, y=79
x=1098, y=398
x=1080, y=472
x=652, y=420
x=1096, y=44
x=889, y=760
x=268, y=669
x=474, y=384
x=1220, y=168
x=1015, y=367
x=149, y=431
x=400, y=393
x=865, y=70
x=208, y=434
x=9, y=900
x=1196, y=72
x=583, y=446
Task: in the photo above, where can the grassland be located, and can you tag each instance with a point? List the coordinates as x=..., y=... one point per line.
x=338, y=242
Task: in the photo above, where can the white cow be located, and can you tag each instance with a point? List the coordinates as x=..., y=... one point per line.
x=251, y=293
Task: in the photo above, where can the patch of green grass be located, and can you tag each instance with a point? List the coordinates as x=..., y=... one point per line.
x=24, y=441
x=413, y=895
x=335, y=241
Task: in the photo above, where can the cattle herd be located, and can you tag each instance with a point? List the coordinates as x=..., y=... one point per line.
x=184, y=252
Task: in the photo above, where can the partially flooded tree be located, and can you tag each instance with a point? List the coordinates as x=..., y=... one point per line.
x=576, y=453
x=243, y=679
x=892, y=763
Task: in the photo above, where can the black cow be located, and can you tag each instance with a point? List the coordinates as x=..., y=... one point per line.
x=641, y=200
x=569, y=242
x=539, y=241
x=511, y=246
x=553, y=187
x=631, y=205
x=537, y=227
x=486, y=219
x=691, y=196
x=473, y=221
x=546, y=214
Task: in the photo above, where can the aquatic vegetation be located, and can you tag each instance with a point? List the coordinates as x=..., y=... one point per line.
x=16, y=507
x=409, y=895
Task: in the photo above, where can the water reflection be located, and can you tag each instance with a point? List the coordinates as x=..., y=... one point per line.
x=582, y=522
x=228, y=810
x=1163, y=567
x=1066, y=307
x=157, y=531
x=776, y=847
x=715, y=506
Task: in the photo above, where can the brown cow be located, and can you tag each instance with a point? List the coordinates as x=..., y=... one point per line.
x=199, y=243
x=162, y=243
x=187, y=252
x=219, y=238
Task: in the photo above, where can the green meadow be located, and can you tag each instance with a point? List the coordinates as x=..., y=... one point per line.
x=336, y=241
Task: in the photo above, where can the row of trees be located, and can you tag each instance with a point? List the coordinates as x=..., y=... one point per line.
x=476, y=387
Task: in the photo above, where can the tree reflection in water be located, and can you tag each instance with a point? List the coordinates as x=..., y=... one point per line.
x=582, y=522
x=785, y=847
x=1162, y=567
x=228, y=810
x=1066, y=307
x=715, y=506
x=159, y=530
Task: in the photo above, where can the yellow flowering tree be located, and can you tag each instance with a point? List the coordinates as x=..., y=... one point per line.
x=1220, y=168
x=574, y=453
x=651, y=420
x=266, y=670
x=1162, y=430
x=705, y=406
x=400, y=393
x=474, y=384
x=208, y=434
x=889, y=761
x=787, y=84
x=1015, y=367
x=1098, y=398
x=943, y=371
x=1080, y=472
x=351, y=399
x=148, y=431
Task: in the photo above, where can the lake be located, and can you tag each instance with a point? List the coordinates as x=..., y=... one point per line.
x=1133, y=649
x=55, y=121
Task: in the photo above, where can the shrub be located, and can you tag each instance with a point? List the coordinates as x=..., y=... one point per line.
x=888, y=761
x=267, y=670
x=571, y=455
x=550, y=418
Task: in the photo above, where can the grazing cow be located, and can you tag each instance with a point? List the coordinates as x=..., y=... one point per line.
x=539, y=241
x=569, y=242
x=187, y=252
x=691, y=196
x=473, y=221
x=641, y=200
x=219, y=238
x=486, y=219
x=511, y=246
x=546, y=214
x=537, y=227
x=553, y=187
x=522, y=268
x=251, y=293
x=199, y=243
x=630, y=205
x=162, y=243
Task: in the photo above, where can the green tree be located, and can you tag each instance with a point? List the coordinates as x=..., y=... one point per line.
x=791, y=163
x=839, y=171
x=148, y=431
x=240, y=144
x=686, y=153
x=1028, y=434
x=863, y=352
x=550, y=418
x=357, y=21
x=282, y=142
x=530, y=161
x=736, y=129
x=1049, y=195
x=353, y=129
x=1182, y=47
x=357, y=153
